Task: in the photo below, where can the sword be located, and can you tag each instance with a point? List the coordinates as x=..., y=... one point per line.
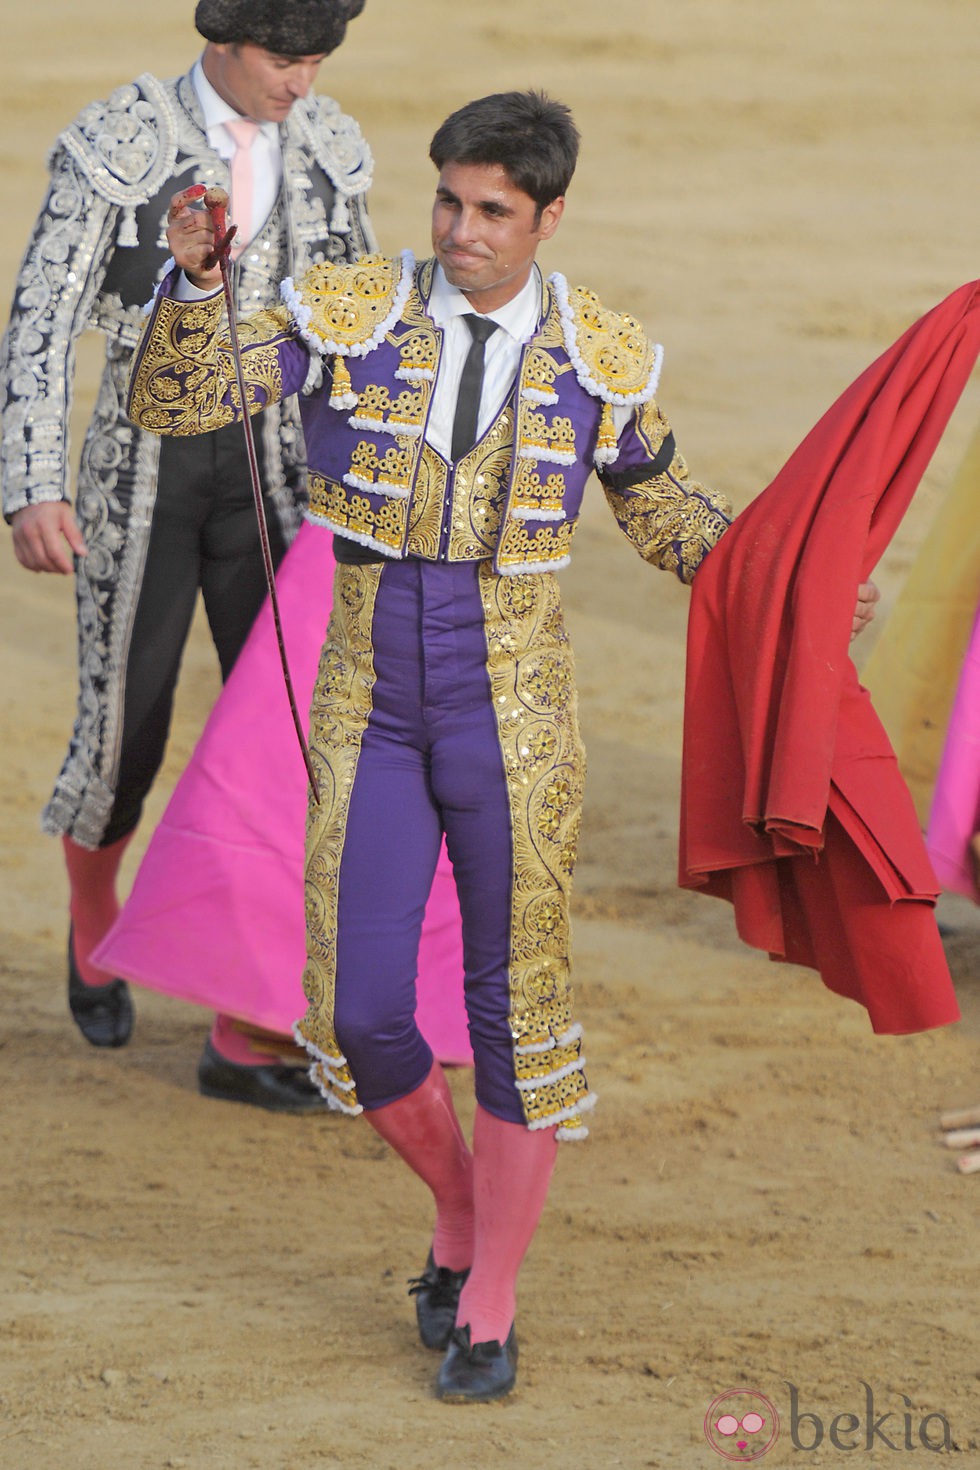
x=216, y=203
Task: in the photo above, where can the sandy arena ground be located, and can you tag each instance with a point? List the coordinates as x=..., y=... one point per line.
x=777, y=190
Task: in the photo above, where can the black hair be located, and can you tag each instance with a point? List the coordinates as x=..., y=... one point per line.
x=532, y=137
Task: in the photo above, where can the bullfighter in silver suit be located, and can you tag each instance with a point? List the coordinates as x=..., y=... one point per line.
x=155, y=520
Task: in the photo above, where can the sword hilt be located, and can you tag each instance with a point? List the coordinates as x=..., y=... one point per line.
x=216, y=204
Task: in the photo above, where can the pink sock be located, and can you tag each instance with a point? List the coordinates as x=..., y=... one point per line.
x=92, y=901
x=424, y=1130
x=511, y=1171
x=234, y=1046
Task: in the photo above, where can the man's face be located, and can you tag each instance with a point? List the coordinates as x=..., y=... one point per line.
x=486, y=232
x=259, y=84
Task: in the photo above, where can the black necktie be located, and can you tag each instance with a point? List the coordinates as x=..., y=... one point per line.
x=470, y=386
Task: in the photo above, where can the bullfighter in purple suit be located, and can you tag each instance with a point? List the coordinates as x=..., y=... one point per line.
x=445, y=701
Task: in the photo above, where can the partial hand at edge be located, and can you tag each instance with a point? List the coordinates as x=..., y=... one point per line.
x=46, y=536
x=864, y=611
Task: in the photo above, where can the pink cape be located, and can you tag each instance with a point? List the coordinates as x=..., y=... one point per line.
x=792, y=804
x=955, y=813
x=216, y=912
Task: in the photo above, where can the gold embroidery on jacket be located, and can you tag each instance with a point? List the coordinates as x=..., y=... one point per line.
x=548, y=545
x=613, y=347
x=478, y=492
x=529, y=662
x=652, y=427
x=347, y=302
x=534, y=493
x=544, y=437
x=477, y=497
x=548, y=437
x=340, y=709
x=184, y=372
x=386, y=469
x=417, y=353
x=399, y=415
x=672, y=521
x=540, y=372
x=347, y=510
x=428, y=500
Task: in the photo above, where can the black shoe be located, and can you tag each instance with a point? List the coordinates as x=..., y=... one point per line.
x=279, y=1088
x=436, y=1294
x=474, y=1373
x=102, y=1013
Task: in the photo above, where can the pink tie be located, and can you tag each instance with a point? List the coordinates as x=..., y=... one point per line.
x=243, y=130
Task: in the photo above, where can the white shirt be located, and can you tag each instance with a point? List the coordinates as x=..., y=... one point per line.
x=266, y=153
x=515, y=323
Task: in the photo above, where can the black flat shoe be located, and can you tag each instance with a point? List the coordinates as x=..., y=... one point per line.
x=436, y=1294
x=475, y=1373
x=102, y=1013
x=276, y=1087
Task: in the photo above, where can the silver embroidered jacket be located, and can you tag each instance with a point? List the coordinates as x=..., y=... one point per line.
x=99, y=246
x=97, y=251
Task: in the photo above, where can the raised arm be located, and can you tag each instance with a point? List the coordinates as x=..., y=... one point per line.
x=183, y=377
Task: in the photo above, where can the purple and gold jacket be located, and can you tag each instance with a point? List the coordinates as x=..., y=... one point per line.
x=357, y=341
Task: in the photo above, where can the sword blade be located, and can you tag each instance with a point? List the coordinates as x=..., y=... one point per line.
x=222, y=248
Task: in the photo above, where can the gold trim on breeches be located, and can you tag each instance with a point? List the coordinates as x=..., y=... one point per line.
x=530, y=668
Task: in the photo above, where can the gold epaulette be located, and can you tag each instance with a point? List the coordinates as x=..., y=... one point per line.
x=347, y=309
x=613, y=358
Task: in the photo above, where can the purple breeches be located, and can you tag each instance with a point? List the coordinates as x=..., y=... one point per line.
x=445, y=703
x=430, y=762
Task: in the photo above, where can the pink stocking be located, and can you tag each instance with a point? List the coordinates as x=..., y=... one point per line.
x=235, y=1046
x=424, y=1130
x=512, y=1170
x=92, y=903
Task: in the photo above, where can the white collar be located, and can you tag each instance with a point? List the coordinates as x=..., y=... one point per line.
x=517, y=317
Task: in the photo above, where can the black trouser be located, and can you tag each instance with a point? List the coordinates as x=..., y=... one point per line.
x=204, y=535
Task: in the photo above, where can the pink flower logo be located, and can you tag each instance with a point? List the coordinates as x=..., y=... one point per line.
x=741, y=1425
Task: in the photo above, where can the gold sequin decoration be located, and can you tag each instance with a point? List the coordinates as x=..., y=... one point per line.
x=428, y=501
x=386, y=470
x=545, y=435
x=351, y=510
x=529, y=661
x=549, y=543
x=417, y=351
x=614, y=347
x=348, y=303
x=407, y=410
x=478, y=492
x=672, y=521
x=534, y=492
x=341, y=707
x=539, y=373
x=183, y=372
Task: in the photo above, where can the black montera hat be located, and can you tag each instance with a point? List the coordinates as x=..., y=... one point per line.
x=288, y=27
